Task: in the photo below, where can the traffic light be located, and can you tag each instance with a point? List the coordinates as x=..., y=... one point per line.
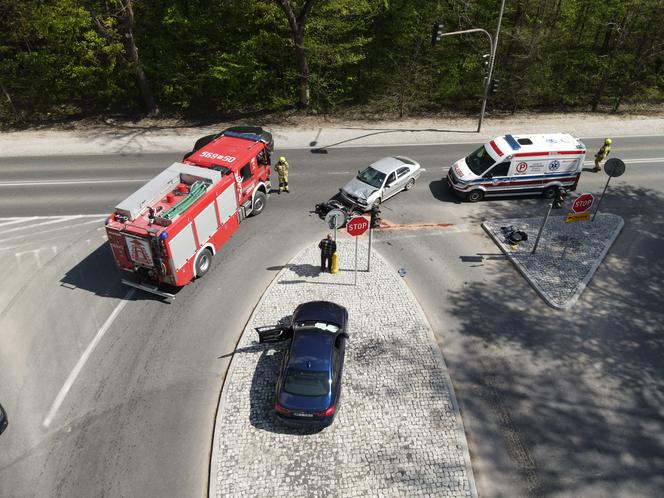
x=559, y=198
x=487, y=59
x=436, y=33
x=375, y=217
x=493, y=86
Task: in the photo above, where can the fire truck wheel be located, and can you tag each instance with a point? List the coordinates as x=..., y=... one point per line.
x=475, y=196
x=203, y=262
x=259, y=204
x=410, y=184
x=549, y=192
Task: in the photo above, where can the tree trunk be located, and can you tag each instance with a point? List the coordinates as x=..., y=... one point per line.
x=9, y=99
x=132, y=54
x=303, y=68
x=297, y=23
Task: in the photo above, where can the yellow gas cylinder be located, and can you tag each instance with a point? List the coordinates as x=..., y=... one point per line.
x=335, y=262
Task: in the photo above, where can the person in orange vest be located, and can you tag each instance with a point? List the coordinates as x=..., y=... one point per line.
x=327, y=248
x=602, y=154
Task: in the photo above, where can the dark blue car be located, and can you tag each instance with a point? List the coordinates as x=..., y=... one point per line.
x=308, y=390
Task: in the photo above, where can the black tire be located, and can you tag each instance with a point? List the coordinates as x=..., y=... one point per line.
x=203, y=262
x=259, y=204
x=475, y=195
x=409, y=184
x=549, y=192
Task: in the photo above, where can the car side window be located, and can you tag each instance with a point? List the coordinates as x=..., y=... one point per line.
x=246, y=172
x=391, y=178
x=262, y=159
x=335, y=361
x=403, y=171
x=499, y=170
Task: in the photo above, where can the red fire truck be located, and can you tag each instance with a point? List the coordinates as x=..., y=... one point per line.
x=169, y=229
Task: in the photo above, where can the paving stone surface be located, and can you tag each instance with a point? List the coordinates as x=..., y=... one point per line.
x=398, y=431
x=567, y=256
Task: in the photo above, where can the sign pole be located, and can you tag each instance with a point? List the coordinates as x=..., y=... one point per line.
x=355, y=261
x=369, y=255
x=539, y=234
x=601, y=197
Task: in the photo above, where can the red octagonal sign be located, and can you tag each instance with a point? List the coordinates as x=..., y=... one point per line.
x=583, y=203
x=357, y=226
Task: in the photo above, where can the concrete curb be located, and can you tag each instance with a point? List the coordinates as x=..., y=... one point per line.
x=569, y=303
x=216, y=457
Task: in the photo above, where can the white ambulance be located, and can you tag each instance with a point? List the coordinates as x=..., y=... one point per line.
x=519, y=165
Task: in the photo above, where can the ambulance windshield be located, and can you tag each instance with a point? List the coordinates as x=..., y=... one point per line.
x=479, y=161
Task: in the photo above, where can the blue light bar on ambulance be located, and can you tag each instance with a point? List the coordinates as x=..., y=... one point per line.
x=511, y=141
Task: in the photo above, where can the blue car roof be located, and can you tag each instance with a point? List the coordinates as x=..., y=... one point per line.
x=311, y=349
x=321, y=310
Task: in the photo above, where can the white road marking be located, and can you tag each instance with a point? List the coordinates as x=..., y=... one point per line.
x=70, y=216
x=14, y=221
x=62, y=219
x=41, y=232
x=84, y=358
x=51, y=183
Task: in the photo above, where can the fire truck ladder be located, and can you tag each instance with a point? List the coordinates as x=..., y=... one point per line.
x=197, y=189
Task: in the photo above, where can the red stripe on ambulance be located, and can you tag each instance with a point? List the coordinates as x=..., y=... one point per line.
x=495, y=147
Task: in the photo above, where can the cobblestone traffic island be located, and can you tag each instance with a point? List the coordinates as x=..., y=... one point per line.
x=567, y=256
x=398, y=431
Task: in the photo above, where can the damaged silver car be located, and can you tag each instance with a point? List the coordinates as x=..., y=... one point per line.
x=380, y=181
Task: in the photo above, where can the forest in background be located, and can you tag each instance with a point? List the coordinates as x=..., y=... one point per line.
x=230, y=59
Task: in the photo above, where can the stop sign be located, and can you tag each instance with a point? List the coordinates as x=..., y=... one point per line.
x=357, y=226
x=583, y=203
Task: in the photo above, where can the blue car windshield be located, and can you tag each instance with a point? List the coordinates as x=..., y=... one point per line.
x=306, y=382
x=479, y=161
x=372, y=176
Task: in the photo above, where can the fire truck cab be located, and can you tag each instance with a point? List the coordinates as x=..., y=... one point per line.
x=519, y=165
x=169, y=229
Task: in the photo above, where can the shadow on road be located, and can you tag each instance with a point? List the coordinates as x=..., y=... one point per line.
x=99, y=274
x=576, y=394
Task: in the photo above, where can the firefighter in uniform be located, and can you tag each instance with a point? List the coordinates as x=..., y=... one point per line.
x=327, y=248
x=602, y=154
x=282, y=171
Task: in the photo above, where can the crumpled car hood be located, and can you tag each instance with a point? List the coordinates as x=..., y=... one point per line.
x=359, y=189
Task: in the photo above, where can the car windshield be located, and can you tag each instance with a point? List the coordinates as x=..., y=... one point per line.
x=306, y=382
x=316, y=324
x=372, y=176
x=479, y=161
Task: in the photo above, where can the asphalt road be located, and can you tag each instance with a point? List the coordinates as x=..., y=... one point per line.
x=554, y=403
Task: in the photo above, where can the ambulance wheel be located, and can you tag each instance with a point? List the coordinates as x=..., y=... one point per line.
x=410, y=184
x=475, y=196
x=203, y=262
x=549, y=192
x=259, y=204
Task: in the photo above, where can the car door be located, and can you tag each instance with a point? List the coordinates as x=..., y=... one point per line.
x=403, y=174
x=390, y=186
x=497, y=175
x=271, y=333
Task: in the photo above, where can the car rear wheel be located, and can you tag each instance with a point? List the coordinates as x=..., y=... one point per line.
x=203, y=262
x=259, y=204
x=410, y=184
x=475, y=196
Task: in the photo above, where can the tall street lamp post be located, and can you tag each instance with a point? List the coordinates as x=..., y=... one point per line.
x=437, y=34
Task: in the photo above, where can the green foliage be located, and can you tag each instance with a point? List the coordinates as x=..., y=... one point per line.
x=233, y=58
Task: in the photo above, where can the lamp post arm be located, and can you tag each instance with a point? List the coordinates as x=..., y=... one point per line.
x=474, y=30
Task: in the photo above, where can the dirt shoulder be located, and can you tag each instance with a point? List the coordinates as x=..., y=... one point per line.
x=172, y=136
